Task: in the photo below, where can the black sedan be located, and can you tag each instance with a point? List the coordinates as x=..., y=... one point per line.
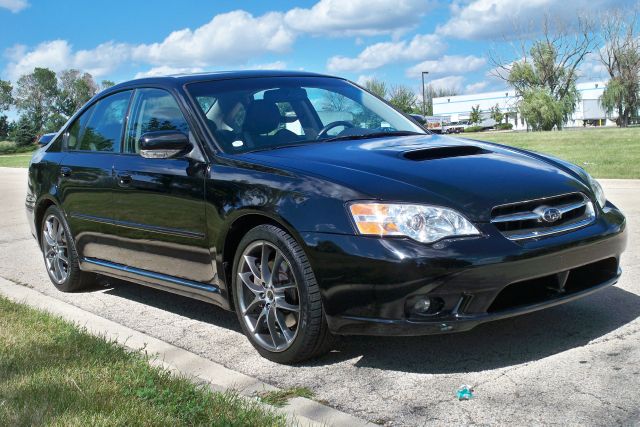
x=312, y=208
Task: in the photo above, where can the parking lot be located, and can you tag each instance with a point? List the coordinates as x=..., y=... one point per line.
x=574, y=364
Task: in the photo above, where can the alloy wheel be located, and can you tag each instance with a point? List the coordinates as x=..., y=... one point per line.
x=56, y=252
x=268, y=294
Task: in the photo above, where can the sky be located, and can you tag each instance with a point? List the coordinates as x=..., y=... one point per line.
x=392, y=40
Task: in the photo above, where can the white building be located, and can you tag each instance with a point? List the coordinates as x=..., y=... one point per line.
x=588, y=111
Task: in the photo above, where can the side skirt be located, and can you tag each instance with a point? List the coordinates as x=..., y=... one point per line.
x=200, y=291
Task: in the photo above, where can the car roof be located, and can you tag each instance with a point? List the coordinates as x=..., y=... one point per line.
x=182, y=79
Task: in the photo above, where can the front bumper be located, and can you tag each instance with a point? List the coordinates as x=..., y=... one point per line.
x=366, y=282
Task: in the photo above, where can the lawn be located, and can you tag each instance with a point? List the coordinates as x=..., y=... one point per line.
x=15, y=160
x=53, y=373
x=604, y=153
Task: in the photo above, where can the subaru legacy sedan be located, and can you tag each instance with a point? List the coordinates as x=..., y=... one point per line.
x=312, y=208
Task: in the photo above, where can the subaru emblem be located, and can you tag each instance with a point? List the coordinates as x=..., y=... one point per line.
x=551, y=214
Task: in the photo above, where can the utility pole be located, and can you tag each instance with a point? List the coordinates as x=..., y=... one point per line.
x=424, y=99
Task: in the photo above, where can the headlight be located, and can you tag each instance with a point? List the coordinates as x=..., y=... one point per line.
x=598, y=191
x=423, y=223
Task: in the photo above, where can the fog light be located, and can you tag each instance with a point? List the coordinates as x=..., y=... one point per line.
x=422, y=305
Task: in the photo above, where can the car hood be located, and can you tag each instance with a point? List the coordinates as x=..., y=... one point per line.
x=469, y=176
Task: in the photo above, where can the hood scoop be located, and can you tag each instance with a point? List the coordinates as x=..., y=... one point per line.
x=444, y=152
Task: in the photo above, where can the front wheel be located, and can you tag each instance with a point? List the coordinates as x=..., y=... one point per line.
x=277, y=299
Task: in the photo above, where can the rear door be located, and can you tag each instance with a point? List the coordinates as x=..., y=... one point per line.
x=159, y=203
x=86, y=182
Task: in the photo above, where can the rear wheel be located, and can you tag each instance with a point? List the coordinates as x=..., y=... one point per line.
x=277, y=298
x=60, y=255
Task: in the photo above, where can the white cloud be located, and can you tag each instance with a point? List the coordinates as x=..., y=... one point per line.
x=488, y=19
x=276, y=65
x=592, y=68
x=229, y=38
x=59, y=55
x=14, y=6
x=448, y=65
x=364, y=78
x=357, y=17
x=165, y=70
x=377, y=55
x=476, y=87
x=449, y=82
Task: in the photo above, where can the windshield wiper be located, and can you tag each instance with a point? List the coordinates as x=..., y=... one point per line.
x=372, y=135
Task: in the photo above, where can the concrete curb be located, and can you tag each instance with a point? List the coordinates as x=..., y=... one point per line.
x=300, y=411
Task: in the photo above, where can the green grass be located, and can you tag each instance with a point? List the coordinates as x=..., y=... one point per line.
x=15, y=160
x=280, y=397
x=604, y=153
x=52, y=373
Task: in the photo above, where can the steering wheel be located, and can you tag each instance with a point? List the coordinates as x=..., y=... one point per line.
x=327, y=128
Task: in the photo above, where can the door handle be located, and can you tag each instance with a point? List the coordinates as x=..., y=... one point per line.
x=65, y=171
x=124, y=179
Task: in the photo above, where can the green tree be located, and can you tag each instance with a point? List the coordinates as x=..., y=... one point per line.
x=544, y=78
x=403, y=98
x=106, y=84
x=547, y=68
x=496, y=114
x=4, y=127
x=54, y=122
x=36, y=96
x=25, y=133
x=541, y=110
x=476, y=115
x=377, y=87
x=621, y=57
x=74, y=90
x=6, y=98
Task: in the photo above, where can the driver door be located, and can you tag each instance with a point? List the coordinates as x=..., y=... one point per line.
x=159, y=203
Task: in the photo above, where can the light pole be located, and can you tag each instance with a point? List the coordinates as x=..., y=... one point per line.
x=424, y=100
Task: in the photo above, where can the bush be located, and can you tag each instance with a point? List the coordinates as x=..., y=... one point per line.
x=474, y=129
x=504, y=126
x=10, y=147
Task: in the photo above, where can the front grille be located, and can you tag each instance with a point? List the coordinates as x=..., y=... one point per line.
x=542, y=217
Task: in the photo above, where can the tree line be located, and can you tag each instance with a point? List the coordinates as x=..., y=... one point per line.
x=44, y=100
x=405, y=99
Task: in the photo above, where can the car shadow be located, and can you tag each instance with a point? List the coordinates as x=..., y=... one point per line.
x=177, y=304
x=492, y=345
x=497, y=344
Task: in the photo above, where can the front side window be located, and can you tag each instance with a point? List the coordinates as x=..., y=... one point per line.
x=100, y=127
x=152, y=110
x=264, y=113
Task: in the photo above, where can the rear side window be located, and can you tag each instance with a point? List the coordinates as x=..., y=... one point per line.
x=153, y=110
x=100, y=127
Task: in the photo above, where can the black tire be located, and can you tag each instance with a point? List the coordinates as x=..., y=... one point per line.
x=75, y=279
x=312, y=337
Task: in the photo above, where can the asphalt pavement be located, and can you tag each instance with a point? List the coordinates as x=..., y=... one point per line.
x=578, y=363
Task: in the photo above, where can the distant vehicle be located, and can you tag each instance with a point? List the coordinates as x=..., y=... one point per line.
x=311, y=207
x=431, y=123
x=456, y=127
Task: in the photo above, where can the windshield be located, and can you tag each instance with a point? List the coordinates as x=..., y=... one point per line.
x=274, y=112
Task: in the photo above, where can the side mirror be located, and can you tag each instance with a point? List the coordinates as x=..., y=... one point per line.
x=163, y=144
x=45, y=139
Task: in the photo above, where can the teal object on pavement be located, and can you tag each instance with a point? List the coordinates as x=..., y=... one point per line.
x=465, y=392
